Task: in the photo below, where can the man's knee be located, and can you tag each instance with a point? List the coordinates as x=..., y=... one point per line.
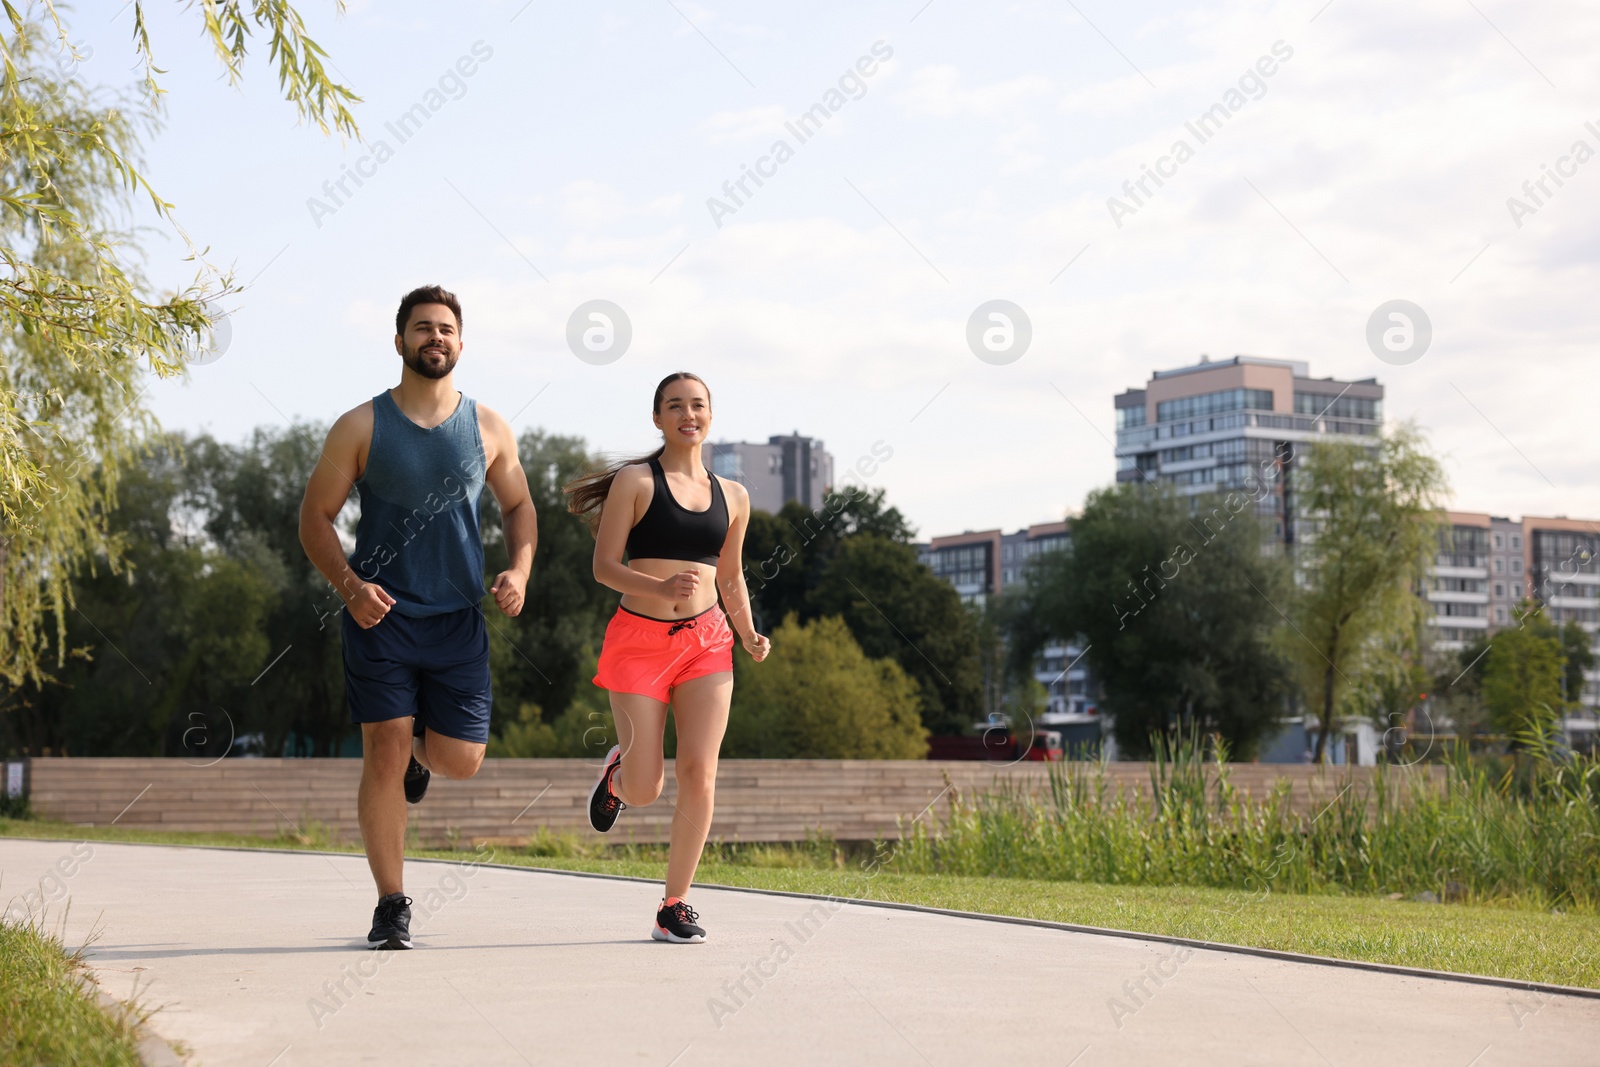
x=386, y=746
x=456, y=762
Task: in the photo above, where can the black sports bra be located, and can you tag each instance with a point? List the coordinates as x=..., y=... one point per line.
x=668, y=530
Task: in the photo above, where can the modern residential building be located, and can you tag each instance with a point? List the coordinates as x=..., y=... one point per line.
x=982, y=563
x=1488, y=564
x=1458, y=587
x=1235, y=424
x=788, y=467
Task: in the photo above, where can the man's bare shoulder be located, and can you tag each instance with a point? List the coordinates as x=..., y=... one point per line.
x=353, y=425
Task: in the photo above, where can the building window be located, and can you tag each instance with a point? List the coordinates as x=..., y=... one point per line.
x=1499, y=614
x=1499, y=565
x=1129, y=417
x=1500, y=590
x=1499, y=542
x=1337, y=407
x=1187, y=407
x=1516, y=540
x=1516, y=590
x=1516, y=564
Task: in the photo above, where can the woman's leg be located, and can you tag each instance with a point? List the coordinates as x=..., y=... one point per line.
x=700, y=708
x=641, y=723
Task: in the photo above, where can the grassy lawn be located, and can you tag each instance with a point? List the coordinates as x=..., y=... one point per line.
x=49, y=1007
x=1507, y=942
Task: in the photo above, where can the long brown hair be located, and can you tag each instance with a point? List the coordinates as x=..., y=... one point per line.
x=586, y=494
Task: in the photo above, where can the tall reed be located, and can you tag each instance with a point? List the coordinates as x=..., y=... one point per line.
x=1530, y=837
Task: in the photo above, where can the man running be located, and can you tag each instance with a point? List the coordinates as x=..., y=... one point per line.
x=416, y=647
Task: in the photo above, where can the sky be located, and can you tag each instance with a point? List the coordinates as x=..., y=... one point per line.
x=1359, y=153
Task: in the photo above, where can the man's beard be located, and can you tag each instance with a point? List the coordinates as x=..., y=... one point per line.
x=422, y=365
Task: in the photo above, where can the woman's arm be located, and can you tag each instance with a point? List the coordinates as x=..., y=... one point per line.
x=730, y=573
x=611, y=541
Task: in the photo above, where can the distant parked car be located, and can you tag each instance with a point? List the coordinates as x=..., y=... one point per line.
x=999, y=744
x=1045, y=745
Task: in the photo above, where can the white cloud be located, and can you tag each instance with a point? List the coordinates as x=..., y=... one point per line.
x=937, y=92
x=747, y=123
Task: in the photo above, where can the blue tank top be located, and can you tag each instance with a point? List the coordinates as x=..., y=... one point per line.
x=418, y=532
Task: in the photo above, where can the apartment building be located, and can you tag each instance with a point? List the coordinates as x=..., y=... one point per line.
x=1488, y=564
x=788, y=467
x=980, y=564
x=1235, y=424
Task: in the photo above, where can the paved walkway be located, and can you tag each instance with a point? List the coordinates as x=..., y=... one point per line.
x=256, y=958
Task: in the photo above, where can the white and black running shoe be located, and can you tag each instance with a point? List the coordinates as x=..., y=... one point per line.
x=604, y=805
x=417, y=778
x=391, y=922
x=676, y=922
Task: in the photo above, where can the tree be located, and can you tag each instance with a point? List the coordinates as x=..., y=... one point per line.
x=1370, y=521
x=545, y=655
x=1523, y=671
x=584, y=729
x=80, y=327
x=246, y=498
x=897, y=608
x=173, y=642
x=853, y=558
x=785, y=554
x=1578, y=656
x=819, y=696
x=1176, y=601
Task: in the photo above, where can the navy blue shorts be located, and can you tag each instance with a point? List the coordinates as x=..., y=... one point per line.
x=435, y=668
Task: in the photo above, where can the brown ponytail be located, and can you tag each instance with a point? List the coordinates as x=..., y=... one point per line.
x=586, y=494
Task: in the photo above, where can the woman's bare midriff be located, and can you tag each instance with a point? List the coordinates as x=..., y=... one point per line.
x=662, y=608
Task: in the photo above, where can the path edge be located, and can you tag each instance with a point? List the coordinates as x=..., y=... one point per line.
x=153, y=1049
x=1520, y=985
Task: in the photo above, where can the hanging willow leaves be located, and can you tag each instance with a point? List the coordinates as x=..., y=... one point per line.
x=81, y=330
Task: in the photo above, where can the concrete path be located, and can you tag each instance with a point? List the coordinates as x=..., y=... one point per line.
x=256, y=958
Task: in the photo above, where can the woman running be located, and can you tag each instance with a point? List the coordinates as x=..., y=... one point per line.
x=682, y=529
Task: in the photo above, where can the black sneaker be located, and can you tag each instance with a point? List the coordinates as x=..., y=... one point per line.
x=676, y=923
x=604, y=805
x=417, y=777
x=391, y=922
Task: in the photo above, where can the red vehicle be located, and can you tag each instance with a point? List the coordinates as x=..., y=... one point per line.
x=1045, y=745
x=999, y=744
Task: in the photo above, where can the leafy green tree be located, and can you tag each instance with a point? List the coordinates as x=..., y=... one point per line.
x=1522, y=673
x=247, y=499
x=1578, y=656
x=584, y=729
x=896, y=608
x=545, y=655
x=819, y=696
x=853, y=558
x=1369, y=525
x=80, y=325
x=173, y=641
x=785, y=554
x=1176, y=601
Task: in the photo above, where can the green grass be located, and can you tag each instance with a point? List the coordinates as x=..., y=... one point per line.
x=49, y=1006
x=1508, y=939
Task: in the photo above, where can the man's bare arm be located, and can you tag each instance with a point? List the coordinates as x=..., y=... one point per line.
x=326, y=492
x=509, y=484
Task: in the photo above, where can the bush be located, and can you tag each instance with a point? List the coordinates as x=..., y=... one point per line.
x=818, y=696
x=584, y=729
